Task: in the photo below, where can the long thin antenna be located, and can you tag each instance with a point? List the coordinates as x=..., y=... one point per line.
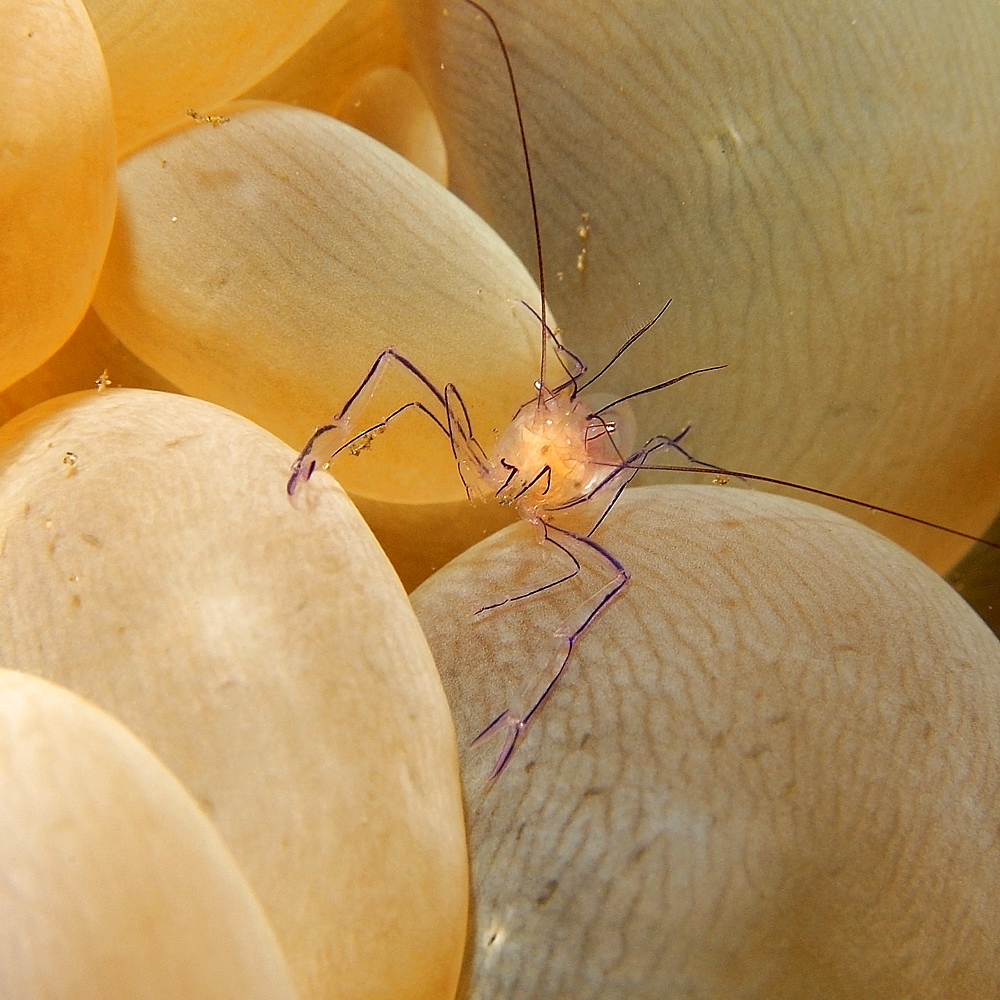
x=735, y=474
x=628, y=343
x=531, y=183
x=658, y=387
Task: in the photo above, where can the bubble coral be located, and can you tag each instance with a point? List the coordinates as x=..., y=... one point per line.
x=815, y=191
x=57, y=186
x=164, y=59
x=268, y=657
x=114, y=883
x=770, y=769
x=316, y=248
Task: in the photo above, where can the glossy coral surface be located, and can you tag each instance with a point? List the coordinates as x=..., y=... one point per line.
x=770, y=768
x=57, y=182
x=265, y=263
x=151, y=562
x=112, y=881
x=165, y=59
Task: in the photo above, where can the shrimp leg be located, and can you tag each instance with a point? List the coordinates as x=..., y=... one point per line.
x=514, y=719
x=623, y=473
x=328, y=440
x=545, y=586
x=473, y=465
x=615, y=482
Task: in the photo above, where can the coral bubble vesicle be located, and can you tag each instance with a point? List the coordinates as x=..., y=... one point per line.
x=151, y=562
x=164, y=58
x=264, y=263
x=57, y=184
x=113, y=883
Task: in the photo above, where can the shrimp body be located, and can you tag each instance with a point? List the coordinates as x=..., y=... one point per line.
x=554, y=451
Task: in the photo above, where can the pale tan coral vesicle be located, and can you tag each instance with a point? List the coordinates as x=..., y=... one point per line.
x=112, y=881
x=265, y=263
x=164, y=58
x=770, y=769
x=814, y=187
x=151, y=561
x=57, y=177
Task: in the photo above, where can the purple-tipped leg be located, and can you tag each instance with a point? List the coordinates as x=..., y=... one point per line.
x=514, y=729
x=539, y=686
x=324, y=443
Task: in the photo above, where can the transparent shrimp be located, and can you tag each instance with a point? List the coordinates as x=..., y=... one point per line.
x=561, y=464
x=560, y=459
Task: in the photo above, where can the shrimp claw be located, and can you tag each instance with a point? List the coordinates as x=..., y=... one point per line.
x=338, y=434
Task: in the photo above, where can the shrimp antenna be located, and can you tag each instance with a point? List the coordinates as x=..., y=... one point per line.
x=657, y=388
x=572, y=365
x=816, y=492
x=621, y=350
x=531, y=183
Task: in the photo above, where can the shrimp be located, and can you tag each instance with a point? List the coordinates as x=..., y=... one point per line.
x=561, y=464
x=561, y=457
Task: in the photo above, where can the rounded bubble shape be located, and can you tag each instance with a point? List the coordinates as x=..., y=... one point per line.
x=816, y=192
x=154, y=564
x=164, y=59
x=363, y=36
x=92, y=357
x=114, y=884
x=57, y=186
x=769, y=769
x=263, y=264
x=387, y=104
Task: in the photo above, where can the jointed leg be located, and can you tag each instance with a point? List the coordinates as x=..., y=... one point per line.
x=675, y=443
x=515, y=719
x=328, y=441
x=471, y=459
x=619, y=476
x=546, y=537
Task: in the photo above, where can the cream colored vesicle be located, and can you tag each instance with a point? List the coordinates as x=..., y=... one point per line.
x=813, y=186
x=92, y=356
x=265, y=263
x=387, y=104
x=113, y=884
x=363, y=36
x=57, y=176
x=151, y=561
x=769, y=770
x=165, y=59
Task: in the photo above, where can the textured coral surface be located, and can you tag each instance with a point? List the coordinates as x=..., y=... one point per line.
x=769, y=768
